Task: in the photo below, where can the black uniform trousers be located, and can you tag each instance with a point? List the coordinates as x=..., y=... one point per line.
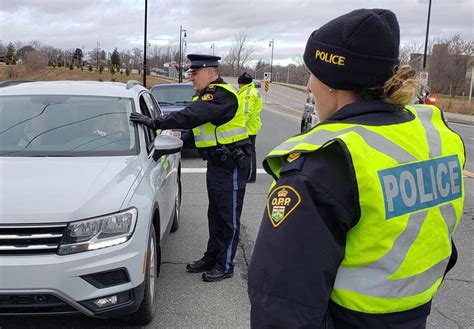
x=226, y=190
x=253, y=161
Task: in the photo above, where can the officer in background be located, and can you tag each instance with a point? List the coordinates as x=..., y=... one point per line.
x=250, y=96
x=357, y=227
x=218, y=126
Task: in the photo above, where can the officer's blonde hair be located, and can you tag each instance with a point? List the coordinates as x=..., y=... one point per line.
x=402, y=86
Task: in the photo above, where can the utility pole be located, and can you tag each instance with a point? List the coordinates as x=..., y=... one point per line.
x=271, y=44
x=144, y=47
x=288, y=75
x=426, y=37
x=212, y=47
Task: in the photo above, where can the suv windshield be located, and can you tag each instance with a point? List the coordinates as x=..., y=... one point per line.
x=62, y=125
x=170, y=95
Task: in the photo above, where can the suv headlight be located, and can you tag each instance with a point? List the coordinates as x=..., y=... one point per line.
x=100, y=232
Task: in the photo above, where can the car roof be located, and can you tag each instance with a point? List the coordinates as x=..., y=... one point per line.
x=171, y=85
x=89, y=88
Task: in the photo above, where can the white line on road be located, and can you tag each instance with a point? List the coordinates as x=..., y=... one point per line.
x=284, y=114
x=203, y=170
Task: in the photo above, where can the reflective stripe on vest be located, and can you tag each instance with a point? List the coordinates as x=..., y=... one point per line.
x=222, y=134
x=208, y=135
x=250, y=98
x=397, y=253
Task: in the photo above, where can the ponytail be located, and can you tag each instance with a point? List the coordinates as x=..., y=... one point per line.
x=402, y=87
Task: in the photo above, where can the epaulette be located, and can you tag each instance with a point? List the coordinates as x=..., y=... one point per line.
x=294, y=162
x=210, y=90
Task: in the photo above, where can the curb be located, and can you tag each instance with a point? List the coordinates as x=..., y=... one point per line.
x=466, y=121
x=296, y=87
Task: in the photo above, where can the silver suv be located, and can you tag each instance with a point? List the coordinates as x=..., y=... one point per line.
x=86, y=199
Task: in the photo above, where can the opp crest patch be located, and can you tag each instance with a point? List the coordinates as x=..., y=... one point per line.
x=207, y=97
x=281, y=203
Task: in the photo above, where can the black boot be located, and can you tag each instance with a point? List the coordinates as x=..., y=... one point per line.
x=215, y=275
x=200, y=265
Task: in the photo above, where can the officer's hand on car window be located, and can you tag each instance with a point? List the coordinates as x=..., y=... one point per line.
x=143, y=119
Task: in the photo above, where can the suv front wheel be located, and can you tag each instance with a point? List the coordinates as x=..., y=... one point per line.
x=146, y=312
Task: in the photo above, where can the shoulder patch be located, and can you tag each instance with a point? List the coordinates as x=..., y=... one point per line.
x=207, y=97
x=281, y=203
x=293, y=156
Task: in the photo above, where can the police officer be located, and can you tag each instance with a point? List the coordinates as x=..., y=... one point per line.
x=250, y=96
x=218, y=126
x=357, y=227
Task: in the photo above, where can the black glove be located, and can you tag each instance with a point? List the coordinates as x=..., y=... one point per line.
x=144, y=120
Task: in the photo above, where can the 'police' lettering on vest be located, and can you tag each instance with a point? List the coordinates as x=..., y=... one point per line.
x=330, y=58
x=420, y=185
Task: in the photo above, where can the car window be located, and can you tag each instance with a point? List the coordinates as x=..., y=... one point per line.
x=150, y=134
x=66, y=125
x=173, y=94
x=152, y=106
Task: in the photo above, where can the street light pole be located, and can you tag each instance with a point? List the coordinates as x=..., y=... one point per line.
x=212, y=47
x=145, y=46
x=271, y=44
x=97, y=56
x=426, y=38
x=180, y=78
x=180, y=66
x=288, y=75
x=256, y=71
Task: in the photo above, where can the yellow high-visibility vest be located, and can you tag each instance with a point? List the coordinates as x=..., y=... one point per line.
x=252, y=102
x=208, y=135
x=411, y=194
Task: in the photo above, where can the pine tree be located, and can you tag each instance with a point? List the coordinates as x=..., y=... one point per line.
x=10, y=56
x=115, y=59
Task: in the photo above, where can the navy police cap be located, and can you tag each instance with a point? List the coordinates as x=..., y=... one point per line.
x=198, y=61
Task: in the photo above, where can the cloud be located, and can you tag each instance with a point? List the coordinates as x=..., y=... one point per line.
x=120, y=23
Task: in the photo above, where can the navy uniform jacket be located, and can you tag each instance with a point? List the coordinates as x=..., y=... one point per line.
x=219, y=110
x=293, y=266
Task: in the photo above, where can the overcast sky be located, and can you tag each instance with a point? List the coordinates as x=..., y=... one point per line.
x=70, y=24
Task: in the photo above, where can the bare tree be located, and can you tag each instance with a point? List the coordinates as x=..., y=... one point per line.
x=35, y=60
x=239, y=55
x=411, y=53
x=301, y=73
x=137, y=58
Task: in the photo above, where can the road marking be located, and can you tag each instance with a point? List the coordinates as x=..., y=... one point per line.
x=468, y=174
x=284, y=114
x=262, y=171
x=203, y=170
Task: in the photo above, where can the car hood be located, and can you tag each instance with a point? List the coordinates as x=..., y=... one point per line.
x=51, y=190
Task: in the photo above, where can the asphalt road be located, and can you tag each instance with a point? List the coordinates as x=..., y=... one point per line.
x=184, y=301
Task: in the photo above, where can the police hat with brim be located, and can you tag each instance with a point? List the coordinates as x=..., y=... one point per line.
x=355, y=51
x=200, y=61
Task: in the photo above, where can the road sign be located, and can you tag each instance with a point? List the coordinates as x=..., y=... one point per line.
x=267, y=85
x=424, y=78
x=267, y=76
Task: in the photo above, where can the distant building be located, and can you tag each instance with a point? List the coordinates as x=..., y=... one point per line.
x=447, y=73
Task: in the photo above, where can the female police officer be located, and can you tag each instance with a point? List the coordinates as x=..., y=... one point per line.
x=356, y=231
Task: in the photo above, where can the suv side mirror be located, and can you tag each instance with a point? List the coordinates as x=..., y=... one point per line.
x=165, y=144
